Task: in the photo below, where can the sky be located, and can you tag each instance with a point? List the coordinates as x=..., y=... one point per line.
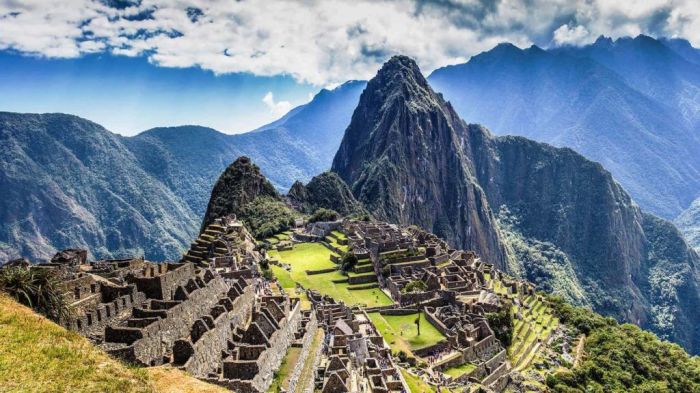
x=235, y=65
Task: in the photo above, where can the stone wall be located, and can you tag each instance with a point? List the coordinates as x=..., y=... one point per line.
x=270, y=360
x=166, y=323
x=205, y=356
x=311, y=329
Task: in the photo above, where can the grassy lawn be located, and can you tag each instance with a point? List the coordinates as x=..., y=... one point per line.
x=315, y=256
x=285, y=370
x=334, y=242
x=401, y=333
x=339, y=235
x=307, y=256
x=415, y=384
x=458, y=371
x=36, y=355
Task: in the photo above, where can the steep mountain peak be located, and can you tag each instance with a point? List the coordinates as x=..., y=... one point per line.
x=326, y=190
x=603, y=41
x=400, y=78
x=403, y=148
x=237, y=186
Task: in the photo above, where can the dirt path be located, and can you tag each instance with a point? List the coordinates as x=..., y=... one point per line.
x=579, y=350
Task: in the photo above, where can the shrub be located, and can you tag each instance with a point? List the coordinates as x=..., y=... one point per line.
x=415, y=286
x=322, y=214
x=502, y=324
x=348, y=262
x=266, y=216
x=35, y=288
x=267, y=274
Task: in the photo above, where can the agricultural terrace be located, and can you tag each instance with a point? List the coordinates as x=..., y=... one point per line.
x=311, y=257
x=401, y=333
x=457, y=371
x=533, y=327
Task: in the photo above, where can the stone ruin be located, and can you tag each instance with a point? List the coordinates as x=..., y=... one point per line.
x=209, y=314
x=212, y=314
x=455, y=296
x=354, y=356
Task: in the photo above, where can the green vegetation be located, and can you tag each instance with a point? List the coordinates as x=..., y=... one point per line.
x=37, y=355
x=416, y=384
x=458, y=371
x=322, y=214
x=266, y=216
x=414, y=286
x=306, y=256
x=541, y=263
x=502, y=324
x=334, y=243
x=339, y=235
x=400, y=331
x=35, y=288
x=284, y=372
x=623, y=358
x=315, y=256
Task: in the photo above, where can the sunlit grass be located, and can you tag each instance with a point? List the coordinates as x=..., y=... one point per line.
x=36, y=355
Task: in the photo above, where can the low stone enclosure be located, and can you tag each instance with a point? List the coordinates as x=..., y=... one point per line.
x=213, y=315
x=354, y=356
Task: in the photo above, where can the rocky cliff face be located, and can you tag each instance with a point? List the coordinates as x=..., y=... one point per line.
x=562, y=220
x=403, y=157
x=630, y=104
x=326, y=190
x=240, y=184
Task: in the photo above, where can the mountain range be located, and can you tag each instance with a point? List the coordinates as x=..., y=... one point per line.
x=534, y=210
x=68, y=182
x=537, y=210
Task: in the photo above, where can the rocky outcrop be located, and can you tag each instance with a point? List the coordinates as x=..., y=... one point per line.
x=237, y=186
x=403, y=157
x=326, y=190
x=411, y=160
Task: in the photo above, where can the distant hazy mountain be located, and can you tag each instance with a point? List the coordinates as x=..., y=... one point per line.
x=296, y=147
x=68, y=182
x=632, y=105
x=545, y=213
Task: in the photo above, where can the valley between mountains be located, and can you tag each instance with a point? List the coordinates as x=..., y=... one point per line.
x=405, y=156
x=433, y=256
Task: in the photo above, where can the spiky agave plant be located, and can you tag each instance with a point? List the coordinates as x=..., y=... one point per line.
x=35, y=288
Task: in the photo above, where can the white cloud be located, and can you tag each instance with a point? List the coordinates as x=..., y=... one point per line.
x=277, y=108
x=325, y=42
x=572, y=35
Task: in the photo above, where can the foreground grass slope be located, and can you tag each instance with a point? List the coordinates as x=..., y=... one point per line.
x=36, y=355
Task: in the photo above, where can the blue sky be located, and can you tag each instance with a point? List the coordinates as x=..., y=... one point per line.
x=128, y=95
x=235, y=65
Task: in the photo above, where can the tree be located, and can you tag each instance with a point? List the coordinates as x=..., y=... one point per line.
x=322, y=214
x=417, y=322
x=348, y=262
